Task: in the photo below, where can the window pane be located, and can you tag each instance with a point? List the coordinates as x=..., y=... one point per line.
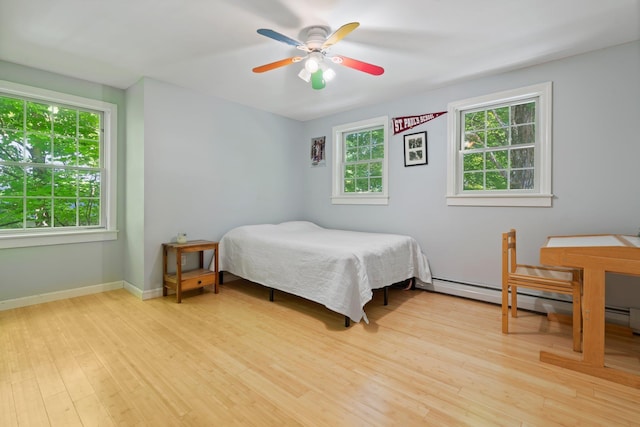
x=89, y=126
x=497, y=180
x=64, y=151
x=474, y=121
x=89, y=211
x=11, y=181
x=377, y=151
x=498, y=117
x=11, y=110
x=362, y=184
x=497, y=137
x=522, y=158
x=89, y=184
x=523, y=134
x=362, y=170
x=473, y=181
x=11, y=148
x=65, y=212
x=351, y=155
x=39, y=148
x=473, y=140
x=473, y=162
x=377, y=136
x=38, y=213
x=523, y=113
x=349, y=171
x=66, y=183
x=11, y=210
x=364, y=138
x=39, y=181
x=497, y=159
x=89, y=153
x=364, y=153
x=39, y=117
x=351, y=140
x=522, y=179
x=65, y=122
x=376, y=169
x=376, y=185
x=349, y=185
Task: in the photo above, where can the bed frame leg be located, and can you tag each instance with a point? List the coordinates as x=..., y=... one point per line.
x=347, y=321
x=271, y=292
x=386, y=296
x=220, y=278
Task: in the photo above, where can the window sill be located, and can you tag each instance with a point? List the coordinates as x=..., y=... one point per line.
x=522, y=200
x=360, y=200
x=56, y=238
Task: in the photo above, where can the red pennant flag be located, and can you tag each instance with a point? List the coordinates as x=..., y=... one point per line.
x=400, y=124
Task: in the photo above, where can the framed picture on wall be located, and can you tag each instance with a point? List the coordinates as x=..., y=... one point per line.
x=318, y=157
x=415, y=149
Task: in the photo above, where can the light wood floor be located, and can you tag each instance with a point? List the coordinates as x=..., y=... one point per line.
x=236, y=359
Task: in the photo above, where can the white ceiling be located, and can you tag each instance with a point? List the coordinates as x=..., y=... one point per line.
x=211, y=46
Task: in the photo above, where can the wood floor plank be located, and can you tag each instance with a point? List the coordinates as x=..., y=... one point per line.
x=236, y=359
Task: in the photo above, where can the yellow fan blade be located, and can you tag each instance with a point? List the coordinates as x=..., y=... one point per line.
x=277, y=64
x=339, y=34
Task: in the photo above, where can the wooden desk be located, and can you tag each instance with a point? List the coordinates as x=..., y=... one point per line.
x=596, y=255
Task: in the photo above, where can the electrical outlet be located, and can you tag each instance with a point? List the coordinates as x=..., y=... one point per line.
x=183, y=260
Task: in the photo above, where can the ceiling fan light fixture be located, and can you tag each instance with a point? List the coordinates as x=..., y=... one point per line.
x=313, y=63
x=327, y=72
x=317, y=80
x=305, y=75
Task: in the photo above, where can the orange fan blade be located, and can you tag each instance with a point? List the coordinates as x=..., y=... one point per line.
x=358, y=65
x=277, y=64
x=339, y=34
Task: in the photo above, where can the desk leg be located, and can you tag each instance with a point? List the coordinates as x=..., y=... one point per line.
x=593, y=317
x=592, y=362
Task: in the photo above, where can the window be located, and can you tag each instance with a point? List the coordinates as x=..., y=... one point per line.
x=57, y=168
x=360, y=164
x=500, y=149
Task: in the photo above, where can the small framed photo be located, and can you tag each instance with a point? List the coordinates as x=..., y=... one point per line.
x=318, y=157
x=415, y=149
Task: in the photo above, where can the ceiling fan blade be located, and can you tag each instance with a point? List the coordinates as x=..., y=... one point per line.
x=358, y=65
x=339, y=34
x=282, y=38
x=277, y=64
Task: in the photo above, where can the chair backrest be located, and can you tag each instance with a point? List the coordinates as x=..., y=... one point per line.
x=509, y=258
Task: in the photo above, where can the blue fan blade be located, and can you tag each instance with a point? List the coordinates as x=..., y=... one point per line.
x=279, y=37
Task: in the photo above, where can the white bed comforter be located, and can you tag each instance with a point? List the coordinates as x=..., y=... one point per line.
x=336, y=268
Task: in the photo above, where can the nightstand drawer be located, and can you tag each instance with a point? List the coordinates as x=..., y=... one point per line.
x=197, y=282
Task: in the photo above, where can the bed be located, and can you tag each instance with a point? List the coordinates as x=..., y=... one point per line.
x=336, y=268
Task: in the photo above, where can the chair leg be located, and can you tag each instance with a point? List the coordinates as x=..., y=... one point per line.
x=505, y=309
x=514, y=301
x=577, y=320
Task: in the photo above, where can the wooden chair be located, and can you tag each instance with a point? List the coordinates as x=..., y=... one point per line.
x=541, y=278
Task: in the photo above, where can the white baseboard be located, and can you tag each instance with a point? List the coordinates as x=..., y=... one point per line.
x=143, y=295
x=54, y=296
x=538, y=304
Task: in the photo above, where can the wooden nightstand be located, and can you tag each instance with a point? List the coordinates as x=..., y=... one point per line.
x=191, y=279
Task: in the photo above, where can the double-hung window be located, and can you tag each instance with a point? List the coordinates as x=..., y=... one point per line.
x=500, y=149
x=57, y=167
x=360, y=162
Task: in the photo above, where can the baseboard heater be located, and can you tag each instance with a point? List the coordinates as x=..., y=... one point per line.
x=526, y=301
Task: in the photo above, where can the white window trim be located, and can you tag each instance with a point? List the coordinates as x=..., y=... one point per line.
x=109, y=178
x=338, y=196
x=543, y=196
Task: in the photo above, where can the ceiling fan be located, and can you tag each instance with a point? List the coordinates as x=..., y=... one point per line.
x=315, y=68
